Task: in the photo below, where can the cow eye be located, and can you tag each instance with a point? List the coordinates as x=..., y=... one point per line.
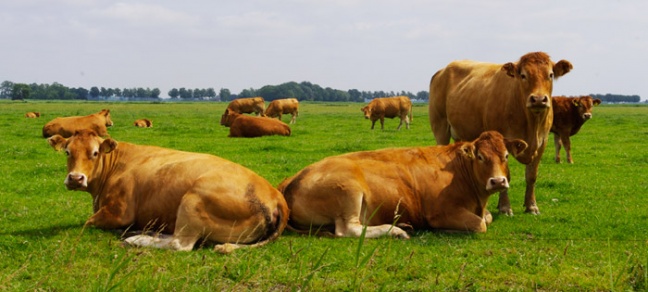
x=523, y=76
x=95, y=153
x=551, y=75
x=480, y=157
x=67, y=152
x=506, y=157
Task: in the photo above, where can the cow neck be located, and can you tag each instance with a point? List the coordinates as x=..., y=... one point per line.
x=475, y=191
x=104, y=169
x=536, y=129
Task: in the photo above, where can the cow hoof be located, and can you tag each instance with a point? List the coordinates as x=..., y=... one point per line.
x=506, y=211
x=533, y=210
x=399, y=233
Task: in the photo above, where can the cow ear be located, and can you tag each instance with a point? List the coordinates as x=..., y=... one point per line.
x=468, y=150
x=561, y=68
x=510, y=69
x=596, y=101
x=57, y=142
x=515, y=146
x=108, y=145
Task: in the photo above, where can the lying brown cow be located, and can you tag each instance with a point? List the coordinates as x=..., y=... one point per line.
x=283, y=106
x=389, y=107
x=190, y=195
x=67, y=126
x=247, y=105
x=468, y=97
x=437, y=187
x=143, y=123
x=250, y=127
x=32, y=115
x=569, y=116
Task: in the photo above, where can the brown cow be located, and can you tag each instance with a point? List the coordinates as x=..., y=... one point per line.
x=468, y=97
x=32, y=115
x=190, y=195
x=250, y=127
x=283, y=106
x=389, y=107
x=143, y=123
x=247, y=105
x=67, y=126
x=569, y=116
x=435, y=187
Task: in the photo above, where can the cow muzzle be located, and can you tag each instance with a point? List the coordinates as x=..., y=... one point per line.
x=76, y=181
x=497, y=183
x=538, y=103
x=587, y=116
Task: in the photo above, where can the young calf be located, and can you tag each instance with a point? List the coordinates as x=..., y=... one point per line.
x=435, y=187
x=569, y=116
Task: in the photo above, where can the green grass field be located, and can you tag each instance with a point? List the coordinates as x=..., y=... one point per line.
x=592, y=233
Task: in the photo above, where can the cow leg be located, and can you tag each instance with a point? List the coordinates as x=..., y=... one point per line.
x=531, y=174
x=382, y=123
x=348, y=224
x=504, y=204
x=407, y=122
x=400, y=124
x=567, y=143
x=293, y=119
x=557, y=144
x=464, y=221
x=373, y=123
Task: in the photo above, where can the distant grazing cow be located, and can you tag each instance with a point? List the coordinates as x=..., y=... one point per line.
x=283, y=106
x=249, y=126
x=436, y=187
x=389, y=107
x=468, y=97
x=32, y=115
x=569, y=116
x=247, y=105
x=66, y=126
x=190, y=195
x=143, y=123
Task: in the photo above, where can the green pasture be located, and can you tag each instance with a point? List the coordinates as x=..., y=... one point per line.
x=591, y=235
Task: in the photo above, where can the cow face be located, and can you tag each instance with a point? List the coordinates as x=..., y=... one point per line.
x=84, y=151
x=367, y=112
x=535, y=73
x=106, y=114
x=228, y=117
x=584, y=105
x=488, y=156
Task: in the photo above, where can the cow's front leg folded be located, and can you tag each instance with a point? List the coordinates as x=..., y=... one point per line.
x=110, y=216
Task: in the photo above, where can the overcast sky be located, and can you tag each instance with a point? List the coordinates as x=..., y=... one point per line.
x=343, y=44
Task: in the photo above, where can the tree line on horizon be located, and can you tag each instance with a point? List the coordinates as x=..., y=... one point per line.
x=303, y=91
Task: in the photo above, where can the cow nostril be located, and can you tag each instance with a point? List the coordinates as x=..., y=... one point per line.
x=545, y=99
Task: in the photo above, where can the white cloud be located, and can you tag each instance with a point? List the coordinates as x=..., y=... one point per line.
x=148, y=15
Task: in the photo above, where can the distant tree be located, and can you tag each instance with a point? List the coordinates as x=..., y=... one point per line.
x=117, y=92
x=174, y=93
x=355, y=95
x=94, y=92
x=423, y=95
x=247, y=93
x=20, y=91
x=80, y=93
x=5, y=89
x=210, y=93
x=224, y=94
x=155, y=93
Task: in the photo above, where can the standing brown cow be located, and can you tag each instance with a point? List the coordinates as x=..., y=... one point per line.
x=569, y=116
x=250, y=127
x=247, y=105
x=389, y=107
x=278, y=107
x=436, y=187
x=67, y=126
x=468, y=97
x=32, y=115
x=143, y=123
x=192, y=196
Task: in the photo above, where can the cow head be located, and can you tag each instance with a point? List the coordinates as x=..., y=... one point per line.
x=488, y=156
x=584, y=105
x=535, y=73
x=37, y=114
x=228, y=117
x=367, y=111
x=84, y=151
x=106, y=114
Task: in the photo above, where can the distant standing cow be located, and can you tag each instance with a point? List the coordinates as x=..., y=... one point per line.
x=67, y=126
x=569, y=116
x=435, y=187
x=283, y=106
x=143, y=123
x=389, y=107
x=469, y=97
x=247, y=105
x=32, y=115
x=250, y=126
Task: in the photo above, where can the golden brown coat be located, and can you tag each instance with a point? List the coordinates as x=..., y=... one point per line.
x=247, y=105
x=67, y=126
x=189, y=195
x=389, y=107
x=32, y=115
x=469, y=97
x=283, y=106
x=436, y=187
x=250, y=126
x=143, y=123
